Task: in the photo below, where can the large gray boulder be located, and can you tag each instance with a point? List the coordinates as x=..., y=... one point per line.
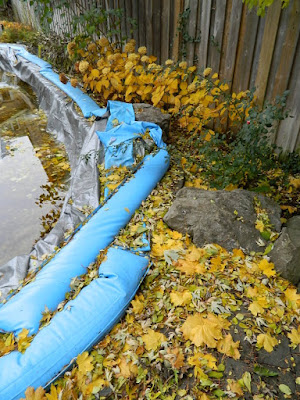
x=286, y=252
x=223, y=217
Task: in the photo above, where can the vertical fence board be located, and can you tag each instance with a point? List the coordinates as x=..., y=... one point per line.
x=148, y=22
x=289, y=46
x=165, y=30
x=288, y=135
x=267, y=49
x=142, y=23
x=204, y=32
x=259, y=36
x=217, y=35
x=232, y=26
x=135, y=15
x=192, y=5
x=245, y=50
x=178, y=5
x=128, y=8
x=157, y=29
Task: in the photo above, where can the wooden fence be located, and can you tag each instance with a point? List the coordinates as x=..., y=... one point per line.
x=246, y=50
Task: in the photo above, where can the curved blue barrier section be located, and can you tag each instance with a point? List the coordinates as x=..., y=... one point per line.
x=83, y=322
x=24, y=310
x=88, y=106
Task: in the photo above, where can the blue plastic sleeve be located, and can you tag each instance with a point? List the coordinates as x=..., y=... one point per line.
x=83, y=322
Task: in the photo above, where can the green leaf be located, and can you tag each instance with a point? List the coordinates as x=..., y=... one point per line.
x=219, y=393
x=247, y=380
x=262, y=371
x=285, y=389
x=215, y=374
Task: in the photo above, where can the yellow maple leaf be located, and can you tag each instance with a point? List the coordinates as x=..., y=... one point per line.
x=31, y=394
x=267, y=268
x=257, y=306
x=203, y=396
x=84, y=362
x=202, y=330
x=138, y=304
x=203, y=360
x=127, y=369
x=190, y=267
x=181, y=298
x=24, y=340
x=238, y=253
x=294, y=337
x=259, y=225
x=194, y=253
x=153, y=339
x=292, y=298
x=266, y=341
x=53, y=395
x=229, y=347
x=95, y=386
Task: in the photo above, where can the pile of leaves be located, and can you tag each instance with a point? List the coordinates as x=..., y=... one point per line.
x=203, y=325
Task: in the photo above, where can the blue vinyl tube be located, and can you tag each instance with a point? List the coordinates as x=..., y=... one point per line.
x=83, y=322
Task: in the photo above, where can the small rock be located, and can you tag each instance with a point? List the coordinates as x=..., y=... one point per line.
x=146, y=112
x=223, y=217
x=286, y=252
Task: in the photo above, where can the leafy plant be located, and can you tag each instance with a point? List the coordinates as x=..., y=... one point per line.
x=245, y=158
x=263, y=4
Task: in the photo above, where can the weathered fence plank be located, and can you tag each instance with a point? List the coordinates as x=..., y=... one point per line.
x=204, y=32
x=245, y=50
x=267, y=49
x=165, y=30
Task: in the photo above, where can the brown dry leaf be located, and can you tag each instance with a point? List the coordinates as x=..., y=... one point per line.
x=202, y=330
x=177, y=358
x=153, y=339
x=234, y=387
x=229, y=347
x=181, y=298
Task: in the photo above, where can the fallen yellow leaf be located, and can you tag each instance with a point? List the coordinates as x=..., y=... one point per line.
x=181, y=298
x=153, y=339
x=266, y=341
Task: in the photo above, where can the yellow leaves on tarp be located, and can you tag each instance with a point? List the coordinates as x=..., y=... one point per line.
x=190, y=267
x=84, y=362
x=292, y=298
x=266, y=341
x=138, y=304
x=204, y=329
x=153, y=339
x=24, y=340
x=267, y=268
x=181, y=298
x=229, y=347
x=294, y=337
